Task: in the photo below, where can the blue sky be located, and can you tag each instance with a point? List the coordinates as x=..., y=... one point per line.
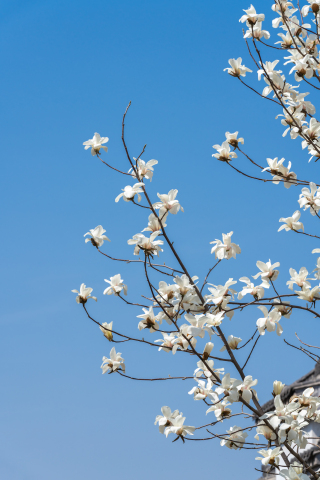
x=69, y=69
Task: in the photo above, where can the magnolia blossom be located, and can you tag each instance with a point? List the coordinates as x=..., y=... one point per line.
x=299, y=279
x=225, y=249
x=116, y=286
x=256, y=291
x=144, y=169
x=168, y=342
x=84, y=294
x=220, y=410
x=115, y=362
x=203, y=390
x=237, y=70
x=206, y=369
x=96, y=143
x=106, y=329
x=168, y=203
x=233, y=140
x=165, y=420
x=154, y=223
x=257, y=32
x=267, y=432
x=270, y=457
x=207, y=350
x=280, y=172
x=224, y=154
x=236, y=439
x=97, y=237
x=308, y=294
x=291, y=474
x=245, y=388
x=269, y=322
x=178, y=428
x=150, y=245
x=149, y=320
x=232, y=342
x=228, y=388
x=310, y=198
x=130, y=192
x=251, y=17
x=267, y=271
x=278, y=387
x=284, y=308
x=291, y=223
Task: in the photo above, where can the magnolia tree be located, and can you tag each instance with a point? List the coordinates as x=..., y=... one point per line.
x=182, y=313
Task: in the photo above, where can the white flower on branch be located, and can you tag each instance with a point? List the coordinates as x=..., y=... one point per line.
x=178, y=428
x=236, y=440
x=129, y=192
x=168, y=203
x=245, y=388
x=310, y=198
x=149, y=320
x=270, y=457
x=286, y=40
x=220, y=410
x=268, y=271
x=115, y=362
x=144, y=169
x=83, y=294
x=256, y=291
x=284, y=308
x=97, y=238
x=268, y=433
x=270, y=321
x=257, y=32
x=291, y=474
x=293, y=119
x=278, y=387
x=116, y=286
x=225, y=249
x=207, y=350
x=237, y=70
x=203, y=391
x=291, y=223
x=150, y=245
x=166, y=419
x=251, y=17
x=219, y=293
x=169, y=342
x=154, y=224
x=317, y=269
x=106, y=329
x=233, y=140
x=96, y=143
x=302, y=69
x=299, y=279
x=224, y=154
x=280, y=172
x=228, y=388
x=203, y=369
x=308, y=294
x=233, y=343
x=197, y=326
x=312, y=132
x=184, y=284
x=269, y=69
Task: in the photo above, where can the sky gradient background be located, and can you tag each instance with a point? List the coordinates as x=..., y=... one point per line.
x=69, y=69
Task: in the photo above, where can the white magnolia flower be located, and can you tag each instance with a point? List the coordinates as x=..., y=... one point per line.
x=184, y=284
x=219, y=293
x=84, y=294
x=168, y=342
x=150, y=245
x=280, y=172
x=178, y=428
x=237, y=70
x=232, y=342
x=168, y=203
x=299, y=279
x=268, y=271
x=228, y=388
x=278, y=387
x=224, y=154
x=129, y=192
x=310, y=198
x=115, y=362
x=204, y=390
x=308, y=294
x=149, y=320
x=291, y=474
x=96, y=143
x=233, y=140
x=144, y=169
x=97, y=237
x=270, y=457
x=312, y=132
x=256, y=291
x=220, y=410
x=165, y=420
x=206, y=369
x=257, y=32
x=106, y=329
x=283, y=308
x=317, y=269
x=225, y=249
x=269, y=322
x=292, y=223
x=251, y=17
x=302, y=69
x=268, y=433
x=245, y=388
x=236, y=439
x=154, y=224
x=207, y=350
x=116, y=286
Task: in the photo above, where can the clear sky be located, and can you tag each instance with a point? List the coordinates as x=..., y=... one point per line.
x=69, y=68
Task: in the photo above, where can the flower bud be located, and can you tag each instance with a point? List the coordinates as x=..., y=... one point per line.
x=297, y=467
x=106, y=329
x=315, y=8
x=277, y=387
x=207, y=350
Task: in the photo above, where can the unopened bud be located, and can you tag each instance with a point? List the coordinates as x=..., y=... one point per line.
x=315, y=7
x=207, y=350
x=298, y=468
x=278, y=387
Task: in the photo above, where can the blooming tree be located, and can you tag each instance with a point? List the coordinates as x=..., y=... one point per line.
x=187, y=313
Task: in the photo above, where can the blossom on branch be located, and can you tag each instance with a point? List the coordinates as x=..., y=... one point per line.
x=149, y=245
x=97, y=238
x=291, y=223
x=168, y=203
x=130, y=192
x=270, y=321
x=236, y=440
x=144, y=169
x=224, y=154
x=115, y=362
x=96, y=143
x=237, y=70
x=116, y=286
x=225, y=249
x=83, y=294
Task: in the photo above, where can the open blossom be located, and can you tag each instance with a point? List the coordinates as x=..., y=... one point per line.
x=225, y=249
x=245, y=388
x=237, y=70
x=197, y=326
x=302, y=69
x=97, y=237
x=221, y=292
x=312, y=132
x=308, y=294
x=203, y=369
x=115, y=362
x=168, y=342
x=144, y=170
x=291, y=223
x=270, y=457
x=233, y=140
x=269, y=322
x=154, y=224
x=220, y=410
x=310, y=198
x=228, y=387
x=129, y=192
x=178, y=428
x=168, y=203
x=267, y=271
x=236, y=438
x=150, y=245
x=256, y=291
x=224, y=154
x=149, y=320
x=203, y=390
x=284, y=308
x=83, y=294
x=280, y=172
x=106, y=329
x=165, y=420
x=251, y=17
x=257, y=32
x=267, y=432
x=116, y=286
x=96, y=143
x=232, y=342
x=299, y=279
x=291, y=474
